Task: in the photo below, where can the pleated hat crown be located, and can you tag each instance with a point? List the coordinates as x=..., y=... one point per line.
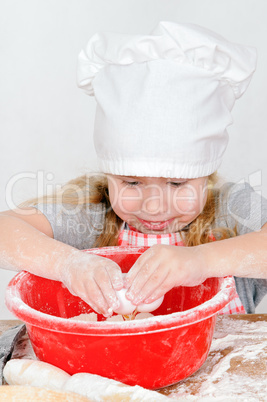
x=164, y=100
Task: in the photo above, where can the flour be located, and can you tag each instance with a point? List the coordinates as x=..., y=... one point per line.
x=235, y=369
x=114, y=318
x=85, y=317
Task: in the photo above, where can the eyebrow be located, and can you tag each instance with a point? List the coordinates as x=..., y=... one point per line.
x=177, y=180
x=137, y=178
x=127, y=177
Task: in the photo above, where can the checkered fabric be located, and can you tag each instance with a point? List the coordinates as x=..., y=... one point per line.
x=128, y=236
x=137, y=239
x=234, y=307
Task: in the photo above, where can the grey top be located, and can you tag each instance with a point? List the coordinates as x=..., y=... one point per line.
x=238, y=206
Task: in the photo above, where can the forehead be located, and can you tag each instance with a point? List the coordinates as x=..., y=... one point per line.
x=155, y=180
x=145, y=178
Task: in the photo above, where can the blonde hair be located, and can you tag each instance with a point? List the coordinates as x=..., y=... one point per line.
x=94, y=189
x=203, y=230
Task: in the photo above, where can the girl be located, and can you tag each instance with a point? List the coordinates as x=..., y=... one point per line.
x=163, y=107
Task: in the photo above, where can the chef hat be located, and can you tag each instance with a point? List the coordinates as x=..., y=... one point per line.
x=163, y=100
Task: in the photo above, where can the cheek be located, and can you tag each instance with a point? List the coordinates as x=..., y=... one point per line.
x=129, y=206
x=189, y=201
x=126, y=201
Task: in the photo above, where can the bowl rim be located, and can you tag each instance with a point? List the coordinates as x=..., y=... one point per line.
x=153, y=324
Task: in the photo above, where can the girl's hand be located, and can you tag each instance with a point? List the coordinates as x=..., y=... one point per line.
x=161, y=268
x=94, y=279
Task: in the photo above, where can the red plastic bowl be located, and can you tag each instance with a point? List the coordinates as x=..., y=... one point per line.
x=152, y=353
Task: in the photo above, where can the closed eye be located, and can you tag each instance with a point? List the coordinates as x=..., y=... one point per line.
x=176, y=184
x=131, y=183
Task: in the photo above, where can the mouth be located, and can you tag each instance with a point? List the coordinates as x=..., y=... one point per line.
x=156, y=225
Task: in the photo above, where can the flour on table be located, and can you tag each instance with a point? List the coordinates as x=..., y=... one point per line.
x=235, y=369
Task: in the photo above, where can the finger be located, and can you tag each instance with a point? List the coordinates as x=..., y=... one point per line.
x=95, y=299
x=103, y=280
x=138, y=282
x=113, y=270
x=160, y=291
x=144, y=276
x=155, y=280
x=135, y=269
x=115, y=276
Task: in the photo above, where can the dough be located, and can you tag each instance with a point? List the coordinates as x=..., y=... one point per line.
x=104, y=389
x=94, y=387
x=34, y=372
x=19, y=393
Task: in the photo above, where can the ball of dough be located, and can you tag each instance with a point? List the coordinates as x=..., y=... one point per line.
x=34, y=372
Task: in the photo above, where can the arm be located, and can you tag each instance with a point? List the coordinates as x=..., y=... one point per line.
x=26, y=243
x=162, y=267
x=242, y=256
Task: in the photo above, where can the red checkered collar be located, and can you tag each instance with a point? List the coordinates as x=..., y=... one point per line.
x=129, y=236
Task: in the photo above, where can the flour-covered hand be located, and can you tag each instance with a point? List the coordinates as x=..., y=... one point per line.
x=161, y=268
x=94, y=279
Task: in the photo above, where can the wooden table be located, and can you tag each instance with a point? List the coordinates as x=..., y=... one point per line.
x=236, y=368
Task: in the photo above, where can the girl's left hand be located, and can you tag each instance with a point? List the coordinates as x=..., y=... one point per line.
x=162, y=267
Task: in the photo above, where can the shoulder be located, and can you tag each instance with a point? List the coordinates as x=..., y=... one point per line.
x=57, y=213
x=76, y=225
x=230, y=196
x=231, y=192
x=238, y=204
x=57, y=209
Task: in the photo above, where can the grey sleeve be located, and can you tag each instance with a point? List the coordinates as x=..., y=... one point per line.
x=75, y=225
x=251, y=291
x=241, y=207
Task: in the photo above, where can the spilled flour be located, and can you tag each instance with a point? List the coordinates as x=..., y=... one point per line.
x=236, y=368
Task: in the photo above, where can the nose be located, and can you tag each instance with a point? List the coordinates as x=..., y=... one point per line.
x=154, y=202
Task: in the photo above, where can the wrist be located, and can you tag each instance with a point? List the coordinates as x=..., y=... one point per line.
x=65, y=262
x=213, y=265
x=200, y=263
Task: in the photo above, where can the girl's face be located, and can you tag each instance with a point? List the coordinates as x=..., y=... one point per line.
x=157, y=205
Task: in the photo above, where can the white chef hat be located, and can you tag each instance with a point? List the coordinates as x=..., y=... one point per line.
x=163, y=100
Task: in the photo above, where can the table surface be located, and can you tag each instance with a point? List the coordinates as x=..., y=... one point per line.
x=236, y=367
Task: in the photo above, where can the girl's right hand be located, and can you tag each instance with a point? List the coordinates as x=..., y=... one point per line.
x=94, y=279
